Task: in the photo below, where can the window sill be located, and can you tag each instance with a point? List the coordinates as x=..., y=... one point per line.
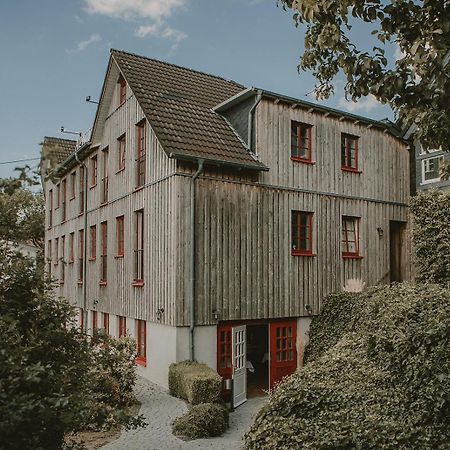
x=348, y=169
x=120, y=170
x=70, y=262
x=141, y=361
x=92, y=259
x=304, y=161
x=118, y=256
x=297, y=253
x=138, y=283
x=80, y=283
x=103, y=204
x=138, y=188
x=93, y=186
x=103, y=283
x=81, y=214
x=352, y=257
x=72, y=198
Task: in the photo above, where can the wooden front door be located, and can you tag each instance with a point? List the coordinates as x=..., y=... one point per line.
x=283, y=352
x=396, y=240
x=239, y=348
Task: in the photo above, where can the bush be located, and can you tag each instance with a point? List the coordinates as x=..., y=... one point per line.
x=379, y=380
x=194, y=382
x=202, y=421
x=431, y=235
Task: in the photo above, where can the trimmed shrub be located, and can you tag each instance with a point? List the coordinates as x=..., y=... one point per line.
x=202, y=421
x=431, y=235
x=194, y=382
x=379, y=380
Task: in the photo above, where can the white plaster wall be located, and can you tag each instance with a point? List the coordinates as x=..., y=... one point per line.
x=302, y=338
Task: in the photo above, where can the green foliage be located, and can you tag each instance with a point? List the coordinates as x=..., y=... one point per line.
x=202, y=421
x=416, y=85
x=431, y=235
x=378, y=379
x=194, y=382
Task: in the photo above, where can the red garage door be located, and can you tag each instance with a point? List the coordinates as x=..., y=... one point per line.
x=283, y=353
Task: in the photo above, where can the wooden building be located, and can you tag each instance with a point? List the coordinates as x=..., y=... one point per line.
x=209, y=220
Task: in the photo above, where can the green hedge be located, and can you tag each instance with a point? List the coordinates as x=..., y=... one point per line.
x=194, y=382
x=202, y=421
x=378, y=376
x=431, y=235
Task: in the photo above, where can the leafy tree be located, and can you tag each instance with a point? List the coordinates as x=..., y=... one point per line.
x=416, y=86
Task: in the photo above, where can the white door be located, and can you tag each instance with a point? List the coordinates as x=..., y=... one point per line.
x=239, y=365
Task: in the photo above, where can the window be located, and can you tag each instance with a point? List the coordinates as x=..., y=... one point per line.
x=301, y=145
x=94, y=321
x=350, y=237
x=73, y=181
x=64, y=201
x=121, y=153
x=122, y=90
x=120, y=225
x=225, y=349
x=122, y=325
x=56, y=251
x=431, y=169
x=82, y=321
x=80, y=255
x=82, y=183
x=139, y=247
x=58, y=195
x=93, y=235
x=141, y=338
x=50, y=209
x=49, y=257
x=140, y=154
x=104, y=253
x=62, y=274
x=71, y=247
x=94, y=171
x=106, y=322
x=104, y=193
x=349, y=152
x=284, y=343
x=301, y=233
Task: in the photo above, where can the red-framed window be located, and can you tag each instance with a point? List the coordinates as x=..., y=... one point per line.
x=122, y=90
x=50, y=210
x=120, y=227
x=49, y=257
x=122, y=320
x=121, y=148
x=56, y=251
x=140, y=153
x=104, y=253
x=82, y=182
x=141, y=338
x=73, y=184
x=139, y=247
x=62, y=275
x=349, y=152
x=94, y=169
x=93, y=242
x=58, y=195
x=301, y=143
x=106, y=322
x=71, y=248
x=80, y=255
x=94, y=321
x=350, y=237
x=301, y=233
x=64, y=201
x=105, y=159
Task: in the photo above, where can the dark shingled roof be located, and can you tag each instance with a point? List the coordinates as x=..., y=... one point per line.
x=177, y=102
x=57, y=149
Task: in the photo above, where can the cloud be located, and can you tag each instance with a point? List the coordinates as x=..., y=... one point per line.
x=134, y=9
x=83, y=45
x=365, y=104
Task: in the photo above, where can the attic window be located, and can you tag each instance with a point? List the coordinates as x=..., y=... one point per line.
x=122, y=90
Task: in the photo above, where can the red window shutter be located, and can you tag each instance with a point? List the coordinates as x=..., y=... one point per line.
x=120, y=235
x=94, y=320
x=141, y=342
x=104, y=252
x=93, y=254
x=106, y=322
x=140, y=154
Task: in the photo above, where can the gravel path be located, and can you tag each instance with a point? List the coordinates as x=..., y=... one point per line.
x=160, y=409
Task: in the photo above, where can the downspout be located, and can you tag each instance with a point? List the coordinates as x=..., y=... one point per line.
x=193, y=262
x=85, y=237
x=251, y=115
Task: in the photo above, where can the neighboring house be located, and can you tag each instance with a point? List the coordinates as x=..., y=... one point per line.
x=209, y=220
x=428, y=168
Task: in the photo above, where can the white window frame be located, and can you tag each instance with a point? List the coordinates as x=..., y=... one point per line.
x=424, y=163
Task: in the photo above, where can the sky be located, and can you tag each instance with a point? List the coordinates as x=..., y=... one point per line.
x=54, y=53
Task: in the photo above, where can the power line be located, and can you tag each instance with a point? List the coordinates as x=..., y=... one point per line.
x=19, y=160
